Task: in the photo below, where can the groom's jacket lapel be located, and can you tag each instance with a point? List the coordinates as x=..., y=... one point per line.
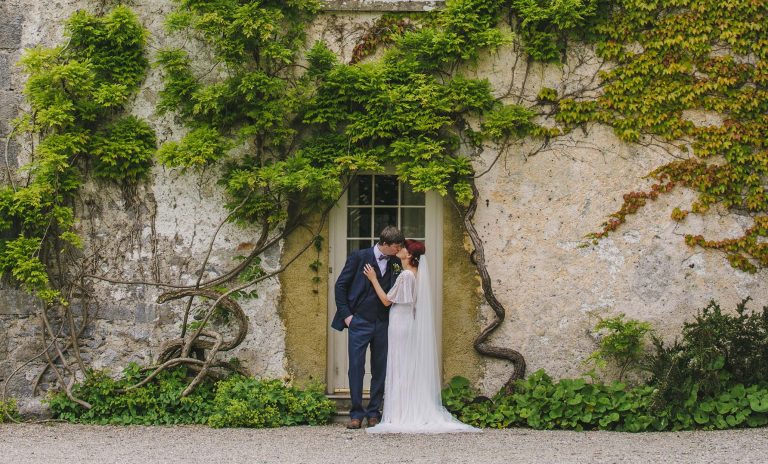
x=373, y=261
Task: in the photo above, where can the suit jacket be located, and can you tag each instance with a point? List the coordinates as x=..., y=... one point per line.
x=355, y=294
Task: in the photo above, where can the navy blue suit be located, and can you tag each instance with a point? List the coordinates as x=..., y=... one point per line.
x=355, y=296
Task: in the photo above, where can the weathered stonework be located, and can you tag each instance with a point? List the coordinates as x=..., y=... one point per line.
x=461, y=299
x=158, y=233
x=10, y=27
x=536, y=205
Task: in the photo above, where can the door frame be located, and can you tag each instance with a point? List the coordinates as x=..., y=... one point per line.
x=336, y=359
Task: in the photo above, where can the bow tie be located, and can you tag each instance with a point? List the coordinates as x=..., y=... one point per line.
x=383, y=257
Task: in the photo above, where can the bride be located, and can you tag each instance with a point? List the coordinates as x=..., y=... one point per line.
x=412, y=402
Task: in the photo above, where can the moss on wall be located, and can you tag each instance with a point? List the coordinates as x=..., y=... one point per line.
x=304, y=308
x=461, y=300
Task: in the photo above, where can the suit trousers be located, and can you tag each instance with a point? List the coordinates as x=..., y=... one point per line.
x=362, y=334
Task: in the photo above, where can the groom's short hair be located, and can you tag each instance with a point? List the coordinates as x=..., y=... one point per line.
x=391, y=235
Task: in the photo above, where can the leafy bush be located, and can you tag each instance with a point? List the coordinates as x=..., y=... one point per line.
x=8, y=408
x=247, y=402
x=234, y=402
x=156, y=403
x=621, y=344
x=714, y=378
x=717, y=351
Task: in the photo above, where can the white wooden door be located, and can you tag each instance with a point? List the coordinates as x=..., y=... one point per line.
x=373, y=202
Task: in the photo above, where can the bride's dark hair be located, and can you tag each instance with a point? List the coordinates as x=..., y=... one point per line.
x=415, y=249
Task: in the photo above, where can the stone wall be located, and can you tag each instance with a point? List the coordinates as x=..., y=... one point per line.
x=536, y=206
x=158, y=233
x=10, y=45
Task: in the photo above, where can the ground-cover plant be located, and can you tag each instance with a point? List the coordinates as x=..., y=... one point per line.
x=236, y=401
x=158, y=402
x=8, y=410
x=715, y=377
x=539, y=402
x=248, y=402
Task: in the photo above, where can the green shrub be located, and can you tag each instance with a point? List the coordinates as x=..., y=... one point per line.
x=717, y=351
x=156, y=403
x=621, y=344
x=8, y=408
x=714, y=378
x=234, y=402
x=248, y=402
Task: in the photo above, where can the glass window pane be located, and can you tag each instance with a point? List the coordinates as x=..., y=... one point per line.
x=413, y=222
x=354, y=245
x=360, y=191
x=410, y=197
x=359, y=222
x=386, y=190
x=384, y=217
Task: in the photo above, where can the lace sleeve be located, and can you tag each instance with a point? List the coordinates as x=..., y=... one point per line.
x=404, y=290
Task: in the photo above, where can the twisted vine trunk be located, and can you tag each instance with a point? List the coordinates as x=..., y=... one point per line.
x=176, y=352
x=481, y=343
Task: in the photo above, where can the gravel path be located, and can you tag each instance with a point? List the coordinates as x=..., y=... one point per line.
x=64, y=443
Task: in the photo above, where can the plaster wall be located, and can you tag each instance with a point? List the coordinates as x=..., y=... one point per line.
x=540, y=201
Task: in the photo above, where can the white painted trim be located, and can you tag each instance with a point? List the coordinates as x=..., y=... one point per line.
x=337, y=246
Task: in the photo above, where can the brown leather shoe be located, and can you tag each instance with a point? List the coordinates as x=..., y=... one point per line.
x=372, y=421
x=354, y=424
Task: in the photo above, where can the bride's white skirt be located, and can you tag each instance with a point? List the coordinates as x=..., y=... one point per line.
x=411, y=404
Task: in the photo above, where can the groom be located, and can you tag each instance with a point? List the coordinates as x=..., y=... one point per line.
x=359, y=309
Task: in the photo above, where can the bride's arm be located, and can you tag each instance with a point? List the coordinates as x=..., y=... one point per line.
x=371, y=274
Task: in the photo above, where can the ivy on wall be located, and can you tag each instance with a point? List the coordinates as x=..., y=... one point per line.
x=690, y=55
x=76, y=95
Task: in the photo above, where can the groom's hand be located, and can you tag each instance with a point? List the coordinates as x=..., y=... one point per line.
x=348, y=320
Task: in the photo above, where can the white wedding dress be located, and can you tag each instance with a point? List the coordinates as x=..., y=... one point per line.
x=412, y=402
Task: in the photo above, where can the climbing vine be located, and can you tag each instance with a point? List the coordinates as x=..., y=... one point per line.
x=672, y=58
x=382, y=32
x=302, y=134
x=76, y=94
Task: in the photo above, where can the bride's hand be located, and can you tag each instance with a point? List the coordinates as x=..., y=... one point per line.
x=369, y=272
